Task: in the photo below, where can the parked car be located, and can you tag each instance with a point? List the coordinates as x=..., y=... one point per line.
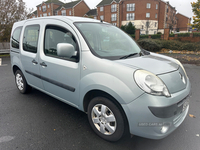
x=97, y=68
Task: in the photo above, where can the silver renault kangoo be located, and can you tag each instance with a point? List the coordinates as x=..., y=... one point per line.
x=97, y=68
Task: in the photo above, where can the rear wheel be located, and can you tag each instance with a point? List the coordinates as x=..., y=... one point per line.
x=106, y=119
x=21, y=83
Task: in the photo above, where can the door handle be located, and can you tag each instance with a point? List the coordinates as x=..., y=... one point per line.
x=43, y=64
x=34, y=62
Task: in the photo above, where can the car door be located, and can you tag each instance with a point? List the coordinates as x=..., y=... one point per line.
x=30, y=53
x=60, y=75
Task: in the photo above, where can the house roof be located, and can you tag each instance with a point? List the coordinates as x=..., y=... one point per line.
x=57, y=2
x=69, y=5
x=35, y=12
x=92, y=12
x=107, y=2
x=182, y=15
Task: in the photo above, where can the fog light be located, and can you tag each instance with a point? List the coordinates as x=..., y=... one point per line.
x=164, y=129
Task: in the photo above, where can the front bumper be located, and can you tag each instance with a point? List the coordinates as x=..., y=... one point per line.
x=158, y=122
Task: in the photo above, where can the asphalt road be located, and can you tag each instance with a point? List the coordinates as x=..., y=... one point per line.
x=39, y=122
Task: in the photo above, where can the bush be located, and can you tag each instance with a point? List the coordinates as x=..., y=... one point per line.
x=155, y=45
x=156, y=36
x=184, y=35
x=144, y=36
x=159, y=33
x=171, y=35
x=196, y=34
x=150, y=45
x=133, y=36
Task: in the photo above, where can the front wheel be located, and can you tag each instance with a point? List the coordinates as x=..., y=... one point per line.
x=21, y=83
x=106, y=119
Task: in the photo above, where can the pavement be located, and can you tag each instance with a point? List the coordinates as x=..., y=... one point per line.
x=37, y=121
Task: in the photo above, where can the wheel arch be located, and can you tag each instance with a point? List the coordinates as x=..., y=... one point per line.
x=99, y=93
x=15, y=68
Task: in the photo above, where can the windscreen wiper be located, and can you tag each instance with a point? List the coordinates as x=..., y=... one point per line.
x=127, y=56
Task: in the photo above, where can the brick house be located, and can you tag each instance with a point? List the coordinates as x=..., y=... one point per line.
x=75, y=8
x=47, y=8
x=182, y=23
x=151, y=16
x=91, y=14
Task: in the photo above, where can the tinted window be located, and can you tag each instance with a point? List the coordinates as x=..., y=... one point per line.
x=16, y=37
x=30, y=41
x=55, y=35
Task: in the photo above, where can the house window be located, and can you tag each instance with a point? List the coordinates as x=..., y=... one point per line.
x=45, y=14
x=101, y=8
x=130, y=7
x=70, y=12
x=114, y=8
x=56, y=13
x=44, y=8
x=130, y=16
x=40, y=8
x=40, y=15
x=63, y=12
x=154, y=32
x=114, y=17
x=148, y=5
x=95, y=17
x=49, y=14
x=102, y=17
x=115, y=24
x=155, y=24
x=147, y=15
x=156, y=6
x=156, y=16
x=48, y=6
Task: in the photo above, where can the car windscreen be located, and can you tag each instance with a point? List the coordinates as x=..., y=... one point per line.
x=108, y=41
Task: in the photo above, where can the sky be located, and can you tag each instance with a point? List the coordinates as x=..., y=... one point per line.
x=182, y=6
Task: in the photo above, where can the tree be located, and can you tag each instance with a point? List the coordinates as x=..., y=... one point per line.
x=147, y=24
x=11, y=11
x=196, y=11
x=130, y=28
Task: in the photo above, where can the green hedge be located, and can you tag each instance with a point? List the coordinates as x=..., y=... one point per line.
x=155, y=45
x=184, y=35
x=172, y=35
x=144, y=36
x=196, y=34
x=132, y=35
x=156, y=36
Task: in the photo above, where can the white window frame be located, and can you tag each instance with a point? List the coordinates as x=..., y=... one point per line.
x=44, y=8
x=114, y=8
x=115, y=24
x=70, y=12
x=130, y=7
x=101, y=17
x=49, y=14
x=148, y=5
x=148, y=15
x=40, y=8
x=156, y=6
x=130, y=16
x=40, y=15
x=155, y=24
x=48, y=6
x=101, y=8
x=45, y=14
x=156, y=15
x=113, y=17
x=63, y=12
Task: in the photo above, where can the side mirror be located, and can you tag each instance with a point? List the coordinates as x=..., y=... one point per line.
x=65, y=50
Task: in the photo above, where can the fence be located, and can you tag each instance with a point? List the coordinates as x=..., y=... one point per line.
x=4, y=48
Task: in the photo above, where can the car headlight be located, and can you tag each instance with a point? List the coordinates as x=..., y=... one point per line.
x=150, y=83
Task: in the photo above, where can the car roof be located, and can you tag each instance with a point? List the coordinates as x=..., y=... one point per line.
x=68, y=19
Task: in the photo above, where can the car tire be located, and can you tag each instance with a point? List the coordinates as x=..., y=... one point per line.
x=21, y=83
x=106, y=119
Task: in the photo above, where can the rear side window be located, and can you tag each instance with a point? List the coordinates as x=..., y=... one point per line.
x=15, y=37
x=30, y=41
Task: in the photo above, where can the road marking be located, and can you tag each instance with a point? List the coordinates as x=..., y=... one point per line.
x=1, y=63
x=6, y=139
